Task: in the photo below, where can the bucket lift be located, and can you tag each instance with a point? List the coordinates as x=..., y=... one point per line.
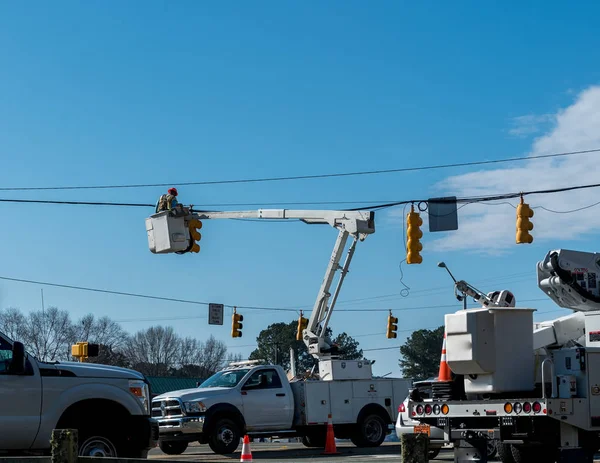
x=171, y=234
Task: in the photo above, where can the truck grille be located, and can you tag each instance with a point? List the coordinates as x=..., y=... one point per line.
x=167, y=408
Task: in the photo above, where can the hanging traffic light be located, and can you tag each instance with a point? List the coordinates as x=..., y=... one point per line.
x=524, y=225
x=413, y=235
x=236, y=325
x=392, y=326
x=302, y=325
x=195, y=236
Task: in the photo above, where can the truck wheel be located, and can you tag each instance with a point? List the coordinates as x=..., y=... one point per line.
x=173, y=447
x=433, y=453
x=371, y=432
x=224, y=437
x=95, y=443
x=505, y=453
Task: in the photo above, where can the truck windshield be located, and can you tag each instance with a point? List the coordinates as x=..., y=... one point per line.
x=229, y=378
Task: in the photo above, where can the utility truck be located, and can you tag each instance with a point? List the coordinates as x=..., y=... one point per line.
x=535, y=387
x=258, y=399
x=109, y=406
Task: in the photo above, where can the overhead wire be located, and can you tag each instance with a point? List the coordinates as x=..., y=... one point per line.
x=308, y=177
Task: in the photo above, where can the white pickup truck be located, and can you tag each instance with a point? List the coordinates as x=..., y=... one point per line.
x=258, y=400
x=109, y=406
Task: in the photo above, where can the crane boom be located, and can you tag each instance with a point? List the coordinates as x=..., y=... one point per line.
x=168, y=234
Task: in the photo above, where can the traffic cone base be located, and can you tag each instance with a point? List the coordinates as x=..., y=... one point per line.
x=330, y=448
x=246, y=452
x=444, y=374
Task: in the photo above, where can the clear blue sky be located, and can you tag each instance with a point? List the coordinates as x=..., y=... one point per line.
x=98, y=93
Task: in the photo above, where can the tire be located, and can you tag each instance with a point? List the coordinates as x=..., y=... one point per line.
x=504, y=453
x=537, y=454
x=492, y=448
x=173, y=447
x=371, y=431
x=433, y=453
x=224, y=437
x=312, y=440
x=99, y=443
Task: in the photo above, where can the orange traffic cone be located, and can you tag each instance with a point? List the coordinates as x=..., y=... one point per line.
x=444, y=374
x=330, y=448
x=246, y=452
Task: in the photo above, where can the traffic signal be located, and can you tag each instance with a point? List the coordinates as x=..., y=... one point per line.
x=236, y=325
x=392, y=326
x=195, y=236
x=83, y=350
x=302, y=324
x=524, y=225
x=413, y=235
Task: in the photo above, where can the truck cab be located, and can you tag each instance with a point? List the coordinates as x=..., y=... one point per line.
x=236, y=400
x=37, y=397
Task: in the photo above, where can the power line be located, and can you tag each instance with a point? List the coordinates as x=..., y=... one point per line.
x=308, y=177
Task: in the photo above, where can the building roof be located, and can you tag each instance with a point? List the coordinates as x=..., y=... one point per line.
x=160, y=385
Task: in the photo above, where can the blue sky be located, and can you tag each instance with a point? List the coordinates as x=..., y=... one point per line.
x=118, y=93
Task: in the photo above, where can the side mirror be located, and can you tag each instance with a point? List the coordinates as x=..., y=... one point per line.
x=17, y=364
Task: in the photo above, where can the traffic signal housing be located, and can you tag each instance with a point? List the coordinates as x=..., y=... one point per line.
x=413, y=236
x=236, y=325
x=302, y=325
x=83, y=350
x=194, y=225
x=524, y=225
x=392, y=327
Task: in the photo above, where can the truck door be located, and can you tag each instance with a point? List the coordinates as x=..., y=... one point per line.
x=267, y=404
x=20, y=402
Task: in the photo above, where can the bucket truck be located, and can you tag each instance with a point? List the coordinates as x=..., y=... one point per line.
x=534, y=387
x=258, y=399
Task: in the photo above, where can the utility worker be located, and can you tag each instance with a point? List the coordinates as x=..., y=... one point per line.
x=168, y=202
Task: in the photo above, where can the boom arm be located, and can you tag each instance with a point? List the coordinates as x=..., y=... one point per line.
x=355, y=224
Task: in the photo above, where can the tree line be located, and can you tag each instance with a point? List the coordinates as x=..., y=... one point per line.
x=155, y=351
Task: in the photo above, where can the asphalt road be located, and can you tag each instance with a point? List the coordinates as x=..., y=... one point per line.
x=294, y=452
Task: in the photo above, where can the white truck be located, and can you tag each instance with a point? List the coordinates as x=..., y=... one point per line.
x=535, y=387
x=258, y=400
x=109, y=406
x=362, y=408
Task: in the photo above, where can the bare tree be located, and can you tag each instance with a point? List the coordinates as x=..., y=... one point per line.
x=103, y=331
x=14, y=324
x=48, y=334
x=154, y=351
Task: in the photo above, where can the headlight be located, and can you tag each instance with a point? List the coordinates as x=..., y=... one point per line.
x=140, y=390
x=194, y=407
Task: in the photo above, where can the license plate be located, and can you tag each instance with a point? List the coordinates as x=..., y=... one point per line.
x=423, y=429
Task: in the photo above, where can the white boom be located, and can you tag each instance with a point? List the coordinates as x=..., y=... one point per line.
x=168, y=234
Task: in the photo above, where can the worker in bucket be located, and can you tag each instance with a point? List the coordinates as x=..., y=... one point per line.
x=168, y=202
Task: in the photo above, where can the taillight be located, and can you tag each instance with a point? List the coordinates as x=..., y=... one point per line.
x=401, y=408
x=527, y=407
x=428, y=409
x=518, y=408
x=436, y=409
x=508, y=408
x=537, y=407
x=419, y=409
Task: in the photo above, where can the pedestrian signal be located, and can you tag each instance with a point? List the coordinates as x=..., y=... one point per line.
x=413, y=235
x=392, y=327
x=302, y=325
x=236, y=325
x=524, y=225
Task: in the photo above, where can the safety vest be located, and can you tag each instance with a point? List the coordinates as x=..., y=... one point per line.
x=164, y=203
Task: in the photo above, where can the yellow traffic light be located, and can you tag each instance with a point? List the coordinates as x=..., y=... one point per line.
x=392, y=326
x=236, y=325
x=195, y=236
x=413, y=235
x=524, y=225
x=302, y=324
